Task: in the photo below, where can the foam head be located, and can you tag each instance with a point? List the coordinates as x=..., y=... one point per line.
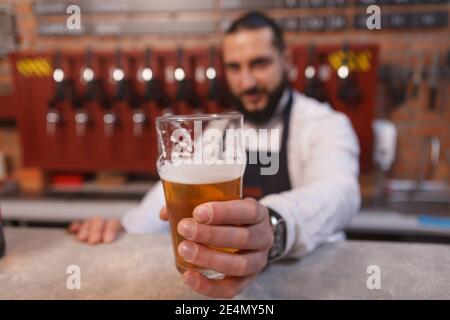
x=188, y=173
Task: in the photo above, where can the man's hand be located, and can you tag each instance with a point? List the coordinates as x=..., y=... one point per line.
x=240, y=224
x=96, y=230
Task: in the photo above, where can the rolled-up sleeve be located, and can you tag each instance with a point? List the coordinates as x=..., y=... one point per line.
x=145, y=217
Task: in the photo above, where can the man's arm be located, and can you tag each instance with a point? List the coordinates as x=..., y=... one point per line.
x=329, y=194
x=141, y=219
x=144, y=218
x=324, y=203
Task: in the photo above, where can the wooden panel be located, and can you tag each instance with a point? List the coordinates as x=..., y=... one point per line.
x=7, y=107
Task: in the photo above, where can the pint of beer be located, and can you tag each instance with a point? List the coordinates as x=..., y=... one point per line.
x=201, y=159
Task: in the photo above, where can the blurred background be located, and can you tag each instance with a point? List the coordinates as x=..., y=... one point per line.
x=81, y=83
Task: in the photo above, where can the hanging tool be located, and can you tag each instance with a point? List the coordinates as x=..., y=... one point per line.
x=417, y=74
x=434, y=81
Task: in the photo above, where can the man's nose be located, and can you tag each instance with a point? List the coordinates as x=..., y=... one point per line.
x=248, y=81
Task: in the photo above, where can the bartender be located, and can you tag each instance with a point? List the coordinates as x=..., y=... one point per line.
x=308, y=201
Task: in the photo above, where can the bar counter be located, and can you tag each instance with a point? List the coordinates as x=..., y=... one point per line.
x=142, y=267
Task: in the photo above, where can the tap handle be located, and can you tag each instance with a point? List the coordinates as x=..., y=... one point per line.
x=139, y=120
x=109, y=121
x=52, y=119
x=81, y=121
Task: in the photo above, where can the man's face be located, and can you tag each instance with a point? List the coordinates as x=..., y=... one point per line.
x=254, y=67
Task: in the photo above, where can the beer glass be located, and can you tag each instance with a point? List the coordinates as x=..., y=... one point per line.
x=201, y=158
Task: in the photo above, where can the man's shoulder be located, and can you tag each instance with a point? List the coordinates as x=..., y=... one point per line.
x=309, y=107
x=306, y=109
x=317, y=120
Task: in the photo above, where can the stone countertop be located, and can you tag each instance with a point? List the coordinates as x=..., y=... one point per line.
x=142, y=267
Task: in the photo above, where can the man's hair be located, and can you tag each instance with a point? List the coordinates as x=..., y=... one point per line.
x=254, y=20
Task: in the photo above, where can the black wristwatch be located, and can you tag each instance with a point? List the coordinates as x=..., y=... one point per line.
x=279, y=231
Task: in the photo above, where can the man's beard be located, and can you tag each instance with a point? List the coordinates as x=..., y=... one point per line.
x=265, y=114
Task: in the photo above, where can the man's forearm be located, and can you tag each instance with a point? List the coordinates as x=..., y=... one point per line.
x=315, y=212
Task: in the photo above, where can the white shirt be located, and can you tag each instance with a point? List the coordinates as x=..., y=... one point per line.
x=323, y=165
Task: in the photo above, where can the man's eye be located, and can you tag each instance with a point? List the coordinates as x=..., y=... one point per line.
x=261, y=63
x=233, y=67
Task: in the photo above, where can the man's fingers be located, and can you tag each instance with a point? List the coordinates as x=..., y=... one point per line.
x=112, y=228
x=247, y=211
x=250, y=238
x=96, y=230
x=224, y=262
x=225, y=288
x=74, y=227
x=83, y=233
x=163, y=215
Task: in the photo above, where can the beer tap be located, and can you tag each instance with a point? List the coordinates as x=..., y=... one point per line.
x=53, y=117
x=110, y=118
x=88, y=77
x=213, y=96
x=118, y=75
x=99, y=90
x=348, y=90
x=81, y=121
x=109, y=121
x=193, y=98
x=138, y=116
x=182, y=90
x=314, y=86
x=148, y=76
x=154, y=93
x=139, y=121
x=80, y=114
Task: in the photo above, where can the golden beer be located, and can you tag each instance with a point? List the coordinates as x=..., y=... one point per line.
x=181, y=199
x=201, y=158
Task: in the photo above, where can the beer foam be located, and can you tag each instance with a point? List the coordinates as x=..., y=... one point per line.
x=188, y=173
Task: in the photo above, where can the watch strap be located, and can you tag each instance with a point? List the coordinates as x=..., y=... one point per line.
x=279, y=230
